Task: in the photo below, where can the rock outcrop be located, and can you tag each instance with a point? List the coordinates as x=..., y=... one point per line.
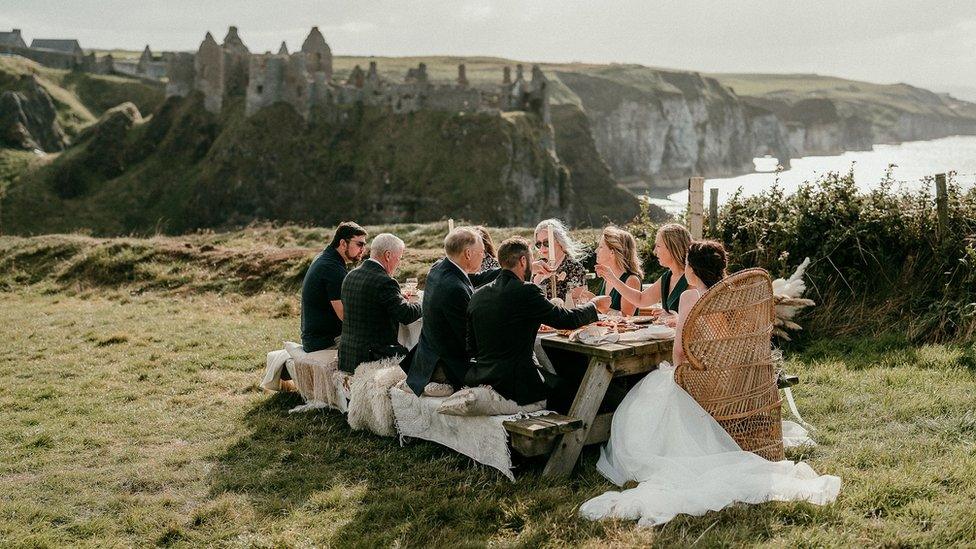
x=28, y=118
x=186, y=168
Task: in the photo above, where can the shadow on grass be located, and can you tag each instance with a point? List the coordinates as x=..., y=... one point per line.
x=379, y=492
x=363, y=490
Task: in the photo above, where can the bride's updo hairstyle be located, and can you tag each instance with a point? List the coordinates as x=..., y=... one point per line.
x=708, y=260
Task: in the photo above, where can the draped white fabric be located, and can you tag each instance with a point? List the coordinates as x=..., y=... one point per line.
x=685, y=462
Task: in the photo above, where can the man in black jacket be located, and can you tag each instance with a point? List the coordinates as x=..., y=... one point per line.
x=374, y=307
x=440, y=356
x=322, y=288
x=503, y=321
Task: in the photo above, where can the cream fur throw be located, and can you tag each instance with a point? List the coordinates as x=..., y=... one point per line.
x=369, y=400
x=484, y=401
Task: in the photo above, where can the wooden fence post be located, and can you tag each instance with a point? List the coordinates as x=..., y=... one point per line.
x=696, y=200
x=941, y=202
x=712, y=212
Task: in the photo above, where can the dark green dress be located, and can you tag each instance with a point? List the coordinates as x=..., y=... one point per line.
x=671, y=296
x=616, y=300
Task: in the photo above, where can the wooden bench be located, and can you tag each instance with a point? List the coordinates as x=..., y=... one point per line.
x=563, y=437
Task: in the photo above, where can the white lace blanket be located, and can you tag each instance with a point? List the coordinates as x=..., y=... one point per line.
x=481, y=438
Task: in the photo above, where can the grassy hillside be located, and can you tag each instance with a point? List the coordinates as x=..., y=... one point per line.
x=80, y=98
x=186, y=169
x=138, y=419
x=879, y=103
x=259, y=258
x=139, y=422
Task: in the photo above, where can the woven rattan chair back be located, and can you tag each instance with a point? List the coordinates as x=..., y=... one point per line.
x=729, y=370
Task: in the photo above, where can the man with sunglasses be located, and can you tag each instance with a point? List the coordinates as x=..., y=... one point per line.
x=322, y=311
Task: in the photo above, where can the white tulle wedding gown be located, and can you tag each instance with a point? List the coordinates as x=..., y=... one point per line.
x=685, y=462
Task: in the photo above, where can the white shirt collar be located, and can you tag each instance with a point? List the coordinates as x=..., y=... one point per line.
x=456, y=265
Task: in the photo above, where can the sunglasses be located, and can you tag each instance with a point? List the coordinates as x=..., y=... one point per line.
x=360, y=243
x=539, y=245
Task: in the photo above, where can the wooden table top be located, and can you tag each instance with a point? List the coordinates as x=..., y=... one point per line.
x=610, y=351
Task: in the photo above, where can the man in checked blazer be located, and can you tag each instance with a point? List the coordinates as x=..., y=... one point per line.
x=374, y=307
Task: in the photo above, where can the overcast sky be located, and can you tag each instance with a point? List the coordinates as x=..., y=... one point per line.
x=927, y=43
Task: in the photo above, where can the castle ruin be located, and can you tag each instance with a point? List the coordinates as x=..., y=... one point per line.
x=304, y=79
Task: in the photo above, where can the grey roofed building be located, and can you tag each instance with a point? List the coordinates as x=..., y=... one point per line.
x=12, y=38
x=64, y=46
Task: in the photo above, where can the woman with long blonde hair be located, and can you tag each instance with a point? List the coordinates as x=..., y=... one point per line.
x=617, y=252
x=671, y=248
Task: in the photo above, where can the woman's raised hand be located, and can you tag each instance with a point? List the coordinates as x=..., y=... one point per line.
x=581, y=294
x=603, y=271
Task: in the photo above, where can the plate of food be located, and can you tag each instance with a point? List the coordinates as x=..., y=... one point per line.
x=618, y=325
x=641, y=319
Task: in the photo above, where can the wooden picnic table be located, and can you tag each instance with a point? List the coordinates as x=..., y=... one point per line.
x=563, y=437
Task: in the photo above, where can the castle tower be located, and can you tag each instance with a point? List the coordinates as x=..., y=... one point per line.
x=505, y=97
x=318, y=55
x=283, y=50
x=418, y=75
x=209, y=69
x=462, y=80
x=539, y=96
x=297, y=84
x=144, y=60
x=233, y=42
x=356, y=77
x=181, y=73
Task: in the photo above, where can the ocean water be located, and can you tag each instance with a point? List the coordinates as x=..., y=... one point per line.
x=913, y=161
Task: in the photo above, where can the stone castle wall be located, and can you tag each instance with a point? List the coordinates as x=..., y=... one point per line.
x=51, y=58
x=304, y=80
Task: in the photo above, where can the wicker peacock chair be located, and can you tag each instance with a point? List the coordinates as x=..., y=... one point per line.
x=729, y=368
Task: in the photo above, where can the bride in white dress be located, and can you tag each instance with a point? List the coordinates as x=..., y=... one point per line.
x=683, y=460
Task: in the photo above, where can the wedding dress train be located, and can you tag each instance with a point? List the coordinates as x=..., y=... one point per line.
x=685, y=462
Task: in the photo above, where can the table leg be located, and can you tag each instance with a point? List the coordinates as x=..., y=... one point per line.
x=585, y=406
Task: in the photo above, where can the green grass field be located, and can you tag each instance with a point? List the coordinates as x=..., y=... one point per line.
x=133, y=419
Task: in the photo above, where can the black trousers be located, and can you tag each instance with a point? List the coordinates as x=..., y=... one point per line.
x=570, y=368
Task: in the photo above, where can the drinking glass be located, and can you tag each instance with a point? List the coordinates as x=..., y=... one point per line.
x=410, y=287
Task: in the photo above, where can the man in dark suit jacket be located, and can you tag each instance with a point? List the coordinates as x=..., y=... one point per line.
x=503, y=321
x=374, y=307
x=441, y=355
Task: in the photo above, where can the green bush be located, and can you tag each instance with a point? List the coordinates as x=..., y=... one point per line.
x=878, y=259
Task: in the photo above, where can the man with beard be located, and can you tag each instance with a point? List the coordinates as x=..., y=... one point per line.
x=322, y=312
x=503, y=321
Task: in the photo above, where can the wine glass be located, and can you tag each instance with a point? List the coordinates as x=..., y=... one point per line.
x=410, y=287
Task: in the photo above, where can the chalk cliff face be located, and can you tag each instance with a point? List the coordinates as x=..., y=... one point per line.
x=827, y=116
x=657, y=128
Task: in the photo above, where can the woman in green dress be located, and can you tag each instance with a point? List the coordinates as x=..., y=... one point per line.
x=671, y=248
x=618, y=252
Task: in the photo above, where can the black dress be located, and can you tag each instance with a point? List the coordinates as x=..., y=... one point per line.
x=616, y=300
